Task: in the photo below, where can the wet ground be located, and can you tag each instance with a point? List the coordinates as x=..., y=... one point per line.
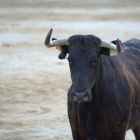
x=33, y=81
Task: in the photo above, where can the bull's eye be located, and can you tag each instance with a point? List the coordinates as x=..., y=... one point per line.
x=94, y=62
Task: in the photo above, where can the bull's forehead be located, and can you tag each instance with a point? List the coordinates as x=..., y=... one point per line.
x=82, y=52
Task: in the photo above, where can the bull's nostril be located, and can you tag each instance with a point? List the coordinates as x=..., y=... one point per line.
x=80, y=96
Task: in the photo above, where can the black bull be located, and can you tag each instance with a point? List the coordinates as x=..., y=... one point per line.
x=104, y=98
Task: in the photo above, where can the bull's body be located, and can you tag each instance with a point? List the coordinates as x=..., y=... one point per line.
x=104, y=98
x=115, y=104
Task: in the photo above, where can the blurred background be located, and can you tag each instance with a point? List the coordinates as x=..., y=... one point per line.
x=33, y=81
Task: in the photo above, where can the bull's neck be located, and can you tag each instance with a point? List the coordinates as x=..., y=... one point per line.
x=95, y=96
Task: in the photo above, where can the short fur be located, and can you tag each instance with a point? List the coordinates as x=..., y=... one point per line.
x=84, y=40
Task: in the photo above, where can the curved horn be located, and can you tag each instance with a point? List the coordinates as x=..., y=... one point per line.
x=48, y=43
x=108, y=45
x=116, y=48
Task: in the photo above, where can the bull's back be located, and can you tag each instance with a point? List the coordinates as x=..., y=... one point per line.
x=132, y=47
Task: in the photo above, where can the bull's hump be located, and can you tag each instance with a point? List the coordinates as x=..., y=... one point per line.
x=132, y=47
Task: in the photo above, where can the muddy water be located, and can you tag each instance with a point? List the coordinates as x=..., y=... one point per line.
x=33, y=81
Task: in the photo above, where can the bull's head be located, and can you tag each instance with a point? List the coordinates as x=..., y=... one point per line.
x=84, y=52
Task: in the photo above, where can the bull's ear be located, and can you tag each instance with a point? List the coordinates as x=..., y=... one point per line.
x=63, y=49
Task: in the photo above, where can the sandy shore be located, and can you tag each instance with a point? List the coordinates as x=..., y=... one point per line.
x=33, y=81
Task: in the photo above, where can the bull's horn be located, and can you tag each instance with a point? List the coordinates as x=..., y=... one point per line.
x=48, y=43
x=116, y=48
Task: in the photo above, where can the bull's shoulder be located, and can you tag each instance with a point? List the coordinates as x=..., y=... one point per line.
x=132, y=47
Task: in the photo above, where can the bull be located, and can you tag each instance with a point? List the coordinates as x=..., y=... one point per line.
x=104, y=98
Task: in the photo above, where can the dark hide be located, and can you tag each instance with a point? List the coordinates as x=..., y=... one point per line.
x=115, y=104
x=82, y=40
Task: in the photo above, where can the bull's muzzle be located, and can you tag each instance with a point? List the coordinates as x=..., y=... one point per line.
x=81, y=96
